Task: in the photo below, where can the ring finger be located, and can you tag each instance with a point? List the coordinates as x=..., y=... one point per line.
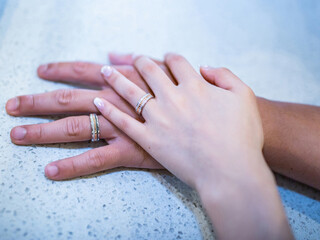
x=70, y=129
x=124, y=87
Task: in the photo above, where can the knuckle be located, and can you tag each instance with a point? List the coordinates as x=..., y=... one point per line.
x=73, y=127
x=113, y=77
x=64, y=96
x=127, y=71
x=224, y=70
x=174, y=58
x=35, y=132
x=74, y=166
x=248, y=92
x=131, y=92
x=145, y=65
x=80, y=68
x=164, y=123
x=95, y=160
x=27, y=102
x=108, y=112
x=139, y=59
x=52, y=69
x=198, y=87
x=110, y=95
x=123, y=124
x=148, y=67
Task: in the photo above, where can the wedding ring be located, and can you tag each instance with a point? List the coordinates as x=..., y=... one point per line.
x=95, y=127
x=142, y=102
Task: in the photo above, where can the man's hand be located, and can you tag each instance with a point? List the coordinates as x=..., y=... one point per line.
x=120, y=151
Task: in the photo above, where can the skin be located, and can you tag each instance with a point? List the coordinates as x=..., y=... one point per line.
x=120, y=151
x=287, y=126
x=190, y=129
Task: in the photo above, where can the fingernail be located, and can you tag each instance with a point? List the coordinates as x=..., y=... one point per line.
x=206, y=67
x=13, y=104
x=116, y=54
x=121, y=55
x=43, y=68
x=106, y=71
x=98, y=102
x=51, y=170
x=18, y=133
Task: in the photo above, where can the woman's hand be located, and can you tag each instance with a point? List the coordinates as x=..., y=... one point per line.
x=210, y=136
x=121, y=151
x=196, y=116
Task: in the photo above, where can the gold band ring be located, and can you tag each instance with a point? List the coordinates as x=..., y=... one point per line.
x=142, y=102
x=95, y=127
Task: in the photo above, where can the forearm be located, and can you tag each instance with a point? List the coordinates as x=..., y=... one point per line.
x=292, y=139
x=248, y=208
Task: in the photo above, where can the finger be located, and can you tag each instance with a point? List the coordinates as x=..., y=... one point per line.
x=85, y=73
x=181, y=69
x=126, y=59
x=71, y=129
x=156, y=78
x=124, y=87
x=222, y=77
x=130, y=126
x=64, y=101
x=131, y=73
x=117, y=154
x=92, y=161
x=72, y=72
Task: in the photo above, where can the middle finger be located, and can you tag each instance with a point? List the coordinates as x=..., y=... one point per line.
x=63, y=101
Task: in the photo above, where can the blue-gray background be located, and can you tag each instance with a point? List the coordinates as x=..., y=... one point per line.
x=274, y=46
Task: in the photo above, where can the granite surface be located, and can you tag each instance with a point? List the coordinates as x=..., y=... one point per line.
x=274, y=46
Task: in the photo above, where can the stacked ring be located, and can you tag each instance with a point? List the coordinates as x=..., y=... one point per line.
x=95, y=128
x=142, y=102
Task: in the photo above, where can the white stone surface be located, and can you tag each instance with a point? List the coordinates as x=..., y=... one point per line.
x=274, y=46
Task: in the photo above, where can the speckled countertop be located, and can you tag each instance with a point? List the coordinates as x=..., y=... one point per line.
x=274, y=46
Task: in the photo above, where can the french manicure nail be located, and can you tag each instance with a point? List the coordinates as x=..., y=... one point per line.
x=18, y=133
x=13, y=104
x=51, y=170
x=117, y=54
x=206, y=67
x=106, y=71
x=98, y=102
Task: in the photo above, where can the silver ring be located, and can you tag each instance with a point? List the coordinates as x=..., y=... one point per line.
x=142, y=102
x=95, y=127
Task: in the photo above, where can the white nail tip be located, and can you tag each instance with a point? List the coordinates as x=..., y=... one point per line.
x=98, y=102
x=106, y=70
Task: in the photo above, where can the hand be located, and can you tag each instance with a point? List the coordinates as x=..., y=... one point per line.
x=177, y=104
x=210, y=136
x=121, y=151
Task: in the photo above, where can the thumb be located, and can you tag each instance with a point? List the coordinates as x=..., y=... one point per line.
x=221, y=77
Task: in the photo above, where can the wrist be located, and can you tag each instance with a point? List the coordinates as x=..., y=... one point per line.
x=245, y=168
x=251, y=181
x=244, y=203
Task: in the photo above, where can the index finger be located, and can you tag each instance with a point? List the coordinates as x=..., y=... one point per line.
x=72, y=72
x=85, y=73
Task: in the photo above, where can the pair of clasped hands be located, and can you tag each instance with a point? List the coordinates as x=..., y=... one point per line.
x=204, y=128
